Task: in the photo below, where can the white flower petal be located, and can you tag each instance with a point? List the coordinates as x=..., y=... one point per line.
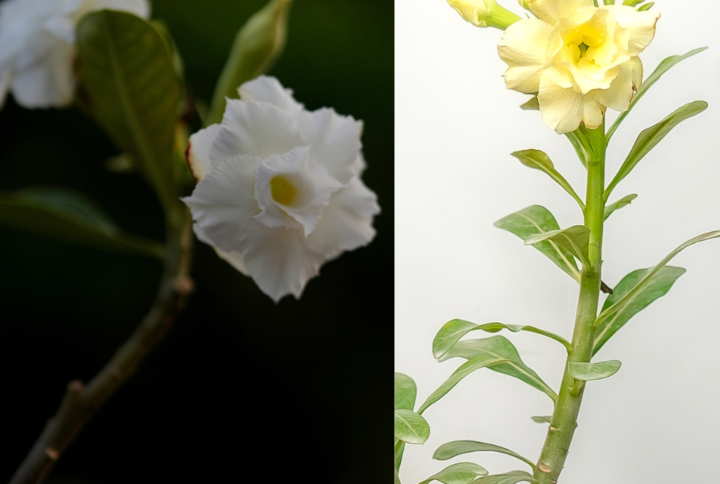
x=346, y=222
x=561, y=108
x=255, y=129
x=198, y=151
x=49, y=83
x=553, y=10
x=334, y=140
x=279, y=260
x=235, y=259
x=523, y=47
x=223, y=201
x=266, y=89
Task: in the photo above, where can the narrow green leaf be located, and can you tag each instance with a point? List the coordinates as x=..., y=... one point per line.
x=648, y=139
x=538, y=160
x=455, y=329
x=661, y=69
x=510, y=363
x=593, y=371
x=397, y=478
x=623, y=202
x=460, y=473
x=574, y=239
x=411, y=427
x=654, y=288
x=645, y=7
x=458, y=447
x=481, y=361
x=128, y=84
x=538, y=220
x=399, y=450
x=635, y=292
x=68, y=216
x=581, y=146
x=531, y=104
x=512, y=477
x=542, y=419
x=405, y=392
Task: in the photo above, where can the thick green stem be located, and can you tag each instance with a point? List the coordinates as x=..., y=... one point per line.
x=564, y=420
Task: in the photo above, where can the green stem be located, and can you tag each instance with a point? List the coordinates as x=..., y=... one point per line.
x=564, y=420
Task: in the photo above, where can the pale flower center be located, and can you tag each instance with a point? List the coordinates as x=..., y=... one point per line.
x=584, y=41
x=283, y=192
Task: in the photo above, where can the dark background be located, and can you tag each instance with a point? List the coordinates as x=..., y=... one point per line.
x=242, y=390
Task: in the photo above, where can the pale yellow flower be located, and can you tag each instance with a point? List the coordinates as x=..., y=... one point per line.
x=579, y=59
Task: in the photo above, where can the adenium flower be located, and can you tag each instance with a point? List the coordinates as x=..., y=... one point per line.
x=37, y=40
x=579, y=59
x=279, y=189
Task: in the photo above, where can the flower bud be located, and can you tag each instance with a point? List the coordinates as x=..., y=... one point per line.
x=484, y=13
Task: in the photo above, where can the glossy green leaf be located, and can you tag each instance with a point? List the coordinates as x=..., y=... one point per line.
x=68, y=216
x=257, y=47
x=574, y=239
x=654, y=288
x=455, y=329
x=512, y=477
x=411, y=427
x=623, y=202
x=542, y=419
x=405, y=392
x=473, y=364
x=128, y=84
x=460, y=473
x=458, y=447
x=510, y=362
x=531, y=104
x=622, y=303
x=649, y=138
x=538, y=220
x=538, y=160
x=593, y=371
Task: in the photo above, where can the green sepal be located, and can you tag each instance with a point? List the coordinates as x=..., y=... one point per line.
x=654, y=288
x=459, y=447
x=645, y=7
x=574, y=239
x=411, y=427
x=531, y=104
x=65, y=215
x=127, y=82
x=509, y=362
x=538, y=160
x=460, y=473
x=593, y=371
x=512, y=477
x=535, y=220
x=623, y=202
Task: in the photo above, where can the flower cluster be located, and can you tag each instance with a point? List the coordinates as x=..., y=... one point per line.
x=279, y=189
x=578, y=58
x=37, y=40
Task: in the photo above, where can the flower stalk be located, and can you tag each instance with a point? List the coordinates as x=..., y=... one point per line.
x=564, y=419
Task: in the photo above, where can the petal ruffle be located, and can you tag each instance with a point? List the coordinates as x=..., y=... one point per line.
x=198, y=151
x=640, y=26
x=553, y=10
x=523, y=47
x=561, y=108
x=47, y=83
x=622, y=89
x=268, y=90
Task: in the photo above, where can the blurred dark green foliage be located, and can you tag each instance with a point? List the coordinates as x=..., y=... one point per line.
x=239, y=381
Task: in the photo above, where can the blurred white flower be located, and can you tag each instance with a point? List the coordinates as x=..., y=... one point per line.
x=37, y=39
x=279, y=189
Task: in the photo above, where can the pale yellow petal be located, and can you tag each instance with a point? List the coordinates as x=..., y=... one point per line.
x=640, y=26
x=523, y=47
x=561, y=108
x=553, y=10
x=621, y=91
x=593, y=112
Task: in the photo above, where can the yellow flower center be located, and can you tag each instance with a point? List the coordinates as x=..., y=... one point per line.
x=282, y=190
x=585, y=40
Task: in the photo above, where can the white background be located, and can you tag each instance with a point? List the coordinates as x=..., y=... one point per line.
x=658, y=419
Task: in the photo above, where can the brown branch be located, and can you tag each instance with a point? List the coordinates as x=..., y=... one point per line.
x=81, y=402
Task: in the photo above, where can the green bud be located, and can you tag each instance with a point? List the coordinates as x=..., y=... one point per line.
x=484, y=13
x=257, y=46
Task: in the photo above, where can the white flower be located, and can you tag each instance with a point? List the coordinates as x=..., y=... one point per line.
x=279, y=188
x=37, y=39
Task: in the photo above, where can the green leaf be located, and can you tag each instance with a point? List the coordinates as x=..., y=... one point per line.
x=623, y=202
x=531, y=104
x=654, y=288
x=128, y=84
x=510, y=364
x=538, y=220
x=580, y=143
x=257, y=47
x=574, y=239
x=648, y=139
x=411, y=427
x=542, y=419
x=661, y=69
x=460, y=473
x=458, y=447
x=455, y=329
x=399, y=450
x=622, y=303
x=512, y=477
x=397, y=478
x=405, y=392
x=593, y=371
x=645, y=7
x=538, y=160
x=481, y=361
x=68, y=216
